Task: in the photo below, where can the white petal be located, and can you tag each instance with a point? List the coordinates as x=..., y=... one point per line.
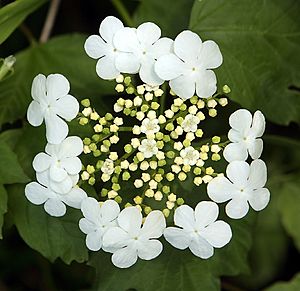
x=220, y=189
x=35, y=114
x=201, y=248
x=258, y=174
x=57, y=86
x=55, y=207
x=234, y=136
x=95, y=47
x=43, y=178
x=75, y=197
x=86, y=226
x=259, y=199
x=258, y=124
x=256, y=148
x=238, y=207
x=41, y=162
x=210, y=55
x=148, y=75
x=108, y=27
x=183, y=86
x=126, y=40
x=238, y=173
x=90, y=208
x=184, y=217
x=66, y=107
x=206, y=84
x=94, y=240
x=36, y=193
x=169, y=67
x=235, y=152
x=38, y=88
x=127, y=63
x=218, y=234
x=62, y=187
x=124, y=258
x=206, y=212
x=154, y=225
x=149, y=249
x=177, y=237
x=148, y=33
x=71, y=165
x=72, y=146
x=109, y=211
x=240, y=120
x=187, y=46
x=130, y=219
x=56, y=128
x=115, y=238
x=162, y=47
x=57, y=174
x=106, y=68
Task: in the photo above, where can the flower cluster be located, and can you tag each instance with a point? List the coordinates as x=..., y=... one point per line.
x=139, y=157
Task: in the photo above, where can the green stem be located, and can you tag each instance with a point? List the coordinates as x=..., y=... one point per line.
x=123, y=12
x=125, y=128
x=163, y=99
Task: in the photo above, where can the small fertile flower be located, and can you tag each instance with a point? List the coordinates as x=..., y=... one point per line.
x=61, y=162
x=148, y=148
x=54, y=203
x=198, y=230
x=189, y=67
x=150, y=126
x=141, y=47
x=190, y=156
x=108, y=167
x=190, y=123
x=97, y=220
x=245, y=135
x=131, y=239
x=102, y=48
x=244, y=186
x=51, y=102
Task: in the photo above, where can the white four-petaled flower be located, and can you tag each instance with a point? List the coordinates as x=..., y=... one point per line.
x=189, y=67
x=102, y=48
x=150, y=126
x=244, y=186
x=198, y=230
x=190, y=123
x=148, y=148
x=51, y=102
x=190, y=156
x=130, y=239
x=245, y=135
x=97, y=220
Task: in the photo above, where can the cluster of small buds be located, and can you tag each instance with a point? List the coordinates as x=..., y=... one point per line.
x=166, y=145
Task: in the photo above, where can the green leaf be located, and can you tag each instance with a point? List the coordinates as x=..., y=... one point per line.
x=293, y=285
x=52, y=237
x=3, y=207
x=260, y=42
x=13, y=14
x=171, y=16
x=175, y=269
x=10, y=169
x=65, y=55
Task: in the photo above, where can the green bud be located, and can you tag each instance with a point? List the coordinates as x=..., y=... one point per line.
x=127, y=111
x=215, y=157
x=83, y=121
x=180, y=201
x=155, y=105
x=166, y=212
x=86, y=141
x=144, y=108
x=199, y=132
x=93, y=147
x=161, y=163
x=106, y=143
x=92, y=181
x=115, y=179
x=86, y=103
x=197, y=171
x=174, y=108
x=130, y=90
x=116, y=187
x=169, y=126
x=194, y=100
x=104, y=192
x=96, y=137
x=127, y=80
x=166, y=189
x=90, y=169
x=140, y=157
x=106, y=131
x=186, y=143
x=135, y=160
x=161, y=171
x=179, y=120
x=183, y=107
x=133, y=113
x=216, y=139
x=159, y=135
x=97, y=153
x=125, y=176
x=170, y=154
x=99, y=164
x=166, y=138
x=170, y=177
x=118, y=199
x=147, y=210
x=226, y=89
x=118, y=170
x=102, y=121
x=128, y=148
x=108, y=116
x=160, y=144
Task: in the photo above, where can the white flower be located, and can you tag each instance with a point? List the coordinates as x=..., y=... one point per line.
x=60, y=162
x=189, y=67
x=108, y=167
x=148, y=148
x=244, y=185
x=131, y=241
x=102, y=48
x=54, y=203
x=150, y=127
x=190, y=156
x=190, y=123
x=245, y=135
x=200, y=232
x=51, y=102
x=141, y=47
x=97, y=219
